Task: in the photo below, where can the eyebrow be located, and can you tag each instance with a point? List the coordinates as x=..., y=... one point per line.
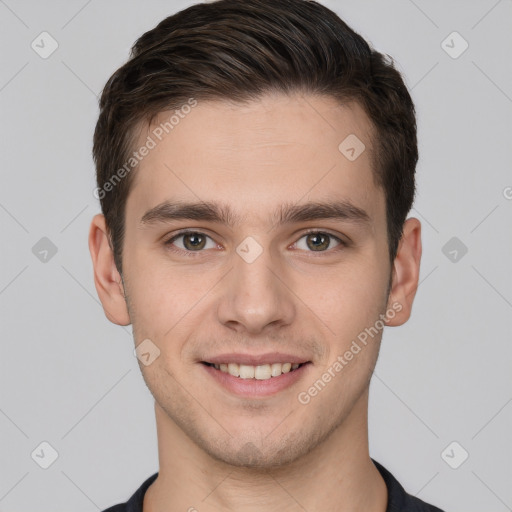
x=223, y=214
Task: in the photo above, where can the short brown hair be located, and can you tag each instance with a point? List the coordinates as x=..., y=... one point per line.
x=238, y=50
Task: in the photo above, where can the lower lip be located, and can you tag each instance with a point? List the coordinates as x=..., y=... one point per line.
x=255, y=388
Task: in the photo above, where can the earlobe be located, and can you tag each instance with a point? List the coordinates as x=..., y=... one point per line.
x=107, y=279
x=406, y=271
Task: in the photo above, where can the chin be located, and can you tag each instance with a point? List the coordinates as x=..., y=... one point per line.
x=261, y=452
x=251, y=456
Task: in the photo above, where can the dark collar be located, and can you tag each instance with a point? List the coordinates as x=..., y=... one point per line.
x=398, y=499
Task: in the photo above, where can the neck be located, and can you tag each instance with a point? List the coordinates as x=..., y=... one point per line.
x=337, y=475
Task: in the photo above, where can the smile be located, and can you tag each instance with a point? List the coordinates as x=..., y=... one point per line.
x=255, y=381
x=260, y=372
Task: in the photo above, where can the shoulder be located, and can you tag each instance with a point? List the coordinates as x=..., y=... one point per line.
x=116, y=508
x=398, y=499
x=135, y=503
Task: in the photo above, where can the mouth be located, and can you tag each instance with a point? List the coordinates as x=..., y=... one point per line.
x=255, y=381
x=260, y=372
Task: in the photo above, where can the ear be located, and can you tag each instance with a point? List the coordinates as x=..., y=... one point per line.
x=406, y=271
x=107, y=279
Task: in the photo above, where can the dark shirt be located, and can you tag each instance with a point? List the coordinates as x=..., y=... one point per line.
x=398, y=499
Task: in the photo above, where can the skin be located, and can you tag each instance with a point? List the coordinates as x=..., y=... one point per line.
x=218, y=451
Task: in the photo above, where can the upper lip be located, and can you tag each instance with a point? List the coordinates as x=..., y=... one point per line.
x=256, y=359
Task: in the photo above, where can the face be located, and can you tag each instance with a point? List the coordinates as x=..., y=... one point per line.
x=250, y=277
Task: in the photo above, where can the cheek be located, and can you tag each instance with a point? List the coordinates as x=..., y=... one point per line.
x=348, y=302
x=347, y=295
x=164, y=299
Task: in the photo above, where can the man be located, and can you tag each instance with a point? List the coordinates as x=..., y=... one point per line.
x=255, y=165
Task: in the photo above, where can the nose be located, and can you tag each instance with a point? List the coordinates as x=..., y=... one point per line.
x=256, y=297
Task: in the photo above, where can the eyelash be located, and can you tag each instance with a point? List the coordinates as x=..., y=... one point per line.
x=168, y=243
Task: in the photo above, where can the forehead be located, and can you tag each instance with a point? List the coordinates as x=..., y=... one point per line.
x=256, y=156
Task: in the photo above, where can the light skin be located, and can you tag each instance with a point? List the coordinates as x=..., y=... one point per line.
x=303, y=295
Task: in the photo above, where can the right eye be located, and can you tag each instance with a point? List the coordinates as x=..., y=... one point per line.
x=191, y=241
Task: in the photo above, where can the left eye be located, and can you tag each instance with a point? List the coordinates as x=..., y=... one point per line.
x=317, y=241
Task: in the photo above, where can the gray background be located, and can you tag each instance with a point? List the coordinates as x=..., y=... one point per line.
x=69, y=377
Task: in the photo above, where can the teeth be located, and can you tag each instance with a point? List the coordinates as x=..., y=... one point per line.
x=262, y=372
x=246, y=372
x=276, y=369
x=233, y=369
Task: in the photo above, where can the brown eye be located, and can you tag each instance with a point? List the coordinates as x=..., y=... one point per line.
x=318, y=242
x=191, y=241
